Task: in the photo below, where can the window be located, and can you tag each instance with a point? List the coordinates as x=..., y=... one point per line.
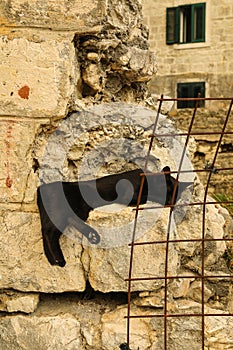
x=186, y=24
x=190, y=90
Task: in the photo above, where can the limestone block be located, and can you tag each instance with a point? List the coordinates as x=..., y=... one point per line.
x=18, y=302
x=123, y=62
x=16, y=138
x=218, y=332
x=166, y=106
x=195, y=292
x=23, y=264
x=37, y=78
x=114, y=330
x=79, y=15
x=142, y=63
x=191, y=228
x=109, y=267
x=150, y=299
x=91, y=76
x=124, y=13
x=180, y=287
x=47, y=332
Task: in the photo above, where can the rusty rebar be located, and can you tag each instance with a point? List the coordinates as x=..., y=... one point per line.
x=184, y=205
x=170, y=222
x=200, y=274
x=135, y=221
x=195, y=99
x=137, y=279
x=196, y=133
x=182, y=315
x=203, y=225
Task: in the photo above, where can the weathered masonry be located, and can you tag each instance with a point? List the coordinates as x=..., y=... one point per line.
x=193, y=40
x=60, y=59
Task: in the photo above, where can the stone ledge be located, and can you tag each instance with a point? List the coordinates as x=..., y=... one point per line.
x=51, y=14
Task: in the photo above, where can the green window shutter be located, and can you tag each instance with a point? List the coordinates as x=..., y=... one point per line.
x=198, y=22
x=172, y=25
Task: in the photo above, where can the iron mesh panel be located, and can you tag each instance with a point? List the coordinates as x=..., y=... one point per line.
x=210, y=170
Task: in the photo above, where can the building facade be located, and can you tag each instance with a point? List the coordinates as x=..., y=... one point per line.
x=193, y=40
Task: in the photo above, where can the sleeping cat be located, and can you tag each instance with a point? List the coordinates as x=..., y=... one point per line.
x=62, y=203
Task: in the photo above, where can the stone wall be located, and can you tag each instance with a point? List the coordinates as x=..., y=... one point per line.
x=210, y=61
x=59, y=60
x=56, y=59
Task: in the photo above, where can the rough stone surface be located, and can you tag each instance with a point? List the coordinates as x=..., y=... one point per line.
x=38, y=76
x=71, y=323
x=64, y=15
x=73, y=94
x=116, y=63
x=29, y=333
x=23, y=265
x=17, y=181
x=18, y=302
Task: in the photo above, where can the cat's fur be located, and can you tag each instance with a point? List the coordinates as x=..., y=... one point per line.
x=62, y=203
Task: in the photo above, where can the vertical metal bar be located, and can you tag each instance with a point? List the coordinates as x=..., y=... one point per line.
x=203, y=226
x=170, y=221
x=136, y=217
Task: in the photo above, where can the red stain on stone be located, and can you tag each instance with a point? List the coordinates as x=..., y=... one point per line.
x=24, y=92
x=9, y=180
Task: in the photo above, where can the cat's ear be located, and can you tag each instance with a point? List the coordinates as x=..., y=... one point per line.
x=166, y=168
x=167, y=171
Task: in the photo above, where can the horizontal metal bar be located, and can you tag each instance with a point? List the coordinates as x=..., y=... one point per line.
x=187, y=171
x=192, y=134
x=136, y=279
x=196, y=99
x=184, y=205
x=180, y=315
x=183, y=241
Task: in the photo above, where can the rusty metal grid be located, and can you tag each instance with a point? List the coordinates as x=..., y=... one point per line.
x=210, y=170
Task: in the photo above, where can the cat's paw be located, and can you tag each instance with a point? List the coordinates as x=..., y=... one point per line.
x=93, y=237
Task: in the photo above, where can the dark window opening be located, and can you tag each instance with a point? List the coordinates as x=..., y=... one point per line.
x=190, y=90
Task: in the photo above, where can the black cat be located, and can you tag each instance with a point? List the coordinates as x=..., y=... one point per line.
x=62, y=203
